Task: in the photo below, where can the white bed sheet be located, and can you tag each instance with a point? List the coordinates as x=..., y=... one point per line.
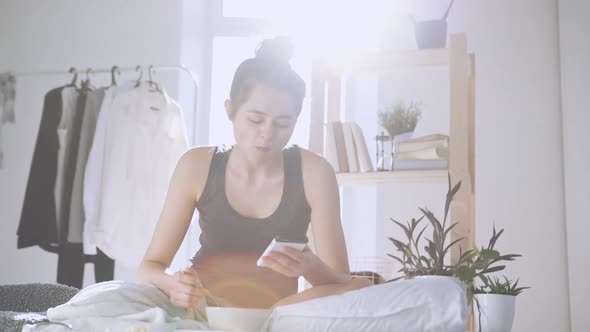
x=118, y=306
x=425, y=304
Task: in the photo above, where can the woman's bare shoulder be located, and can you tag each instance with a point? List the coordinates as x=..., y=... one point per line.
x=198, y=155
x=193, y=167
x=313, y=163
x=318, y=174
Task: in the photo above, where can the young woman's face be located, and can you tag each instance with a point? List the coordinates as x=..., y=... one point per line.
x=264, y=122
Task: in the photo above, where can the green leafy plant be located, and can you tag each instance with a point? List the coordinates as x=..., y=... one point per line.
x=400, y=118
x=431, y=261
x=496, y=286
x=471, y=265
x=482, y=262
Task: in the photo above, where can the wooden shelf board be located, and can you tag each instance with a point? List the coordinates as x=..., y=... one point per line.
x=394, y=60
x=401, y=176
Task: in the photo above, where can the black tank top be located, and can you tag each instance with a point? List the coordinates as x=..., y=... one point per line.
x=231, y=243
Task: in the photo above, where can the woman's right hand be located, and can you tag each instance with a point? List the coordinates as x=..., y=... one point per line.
x=186, y=290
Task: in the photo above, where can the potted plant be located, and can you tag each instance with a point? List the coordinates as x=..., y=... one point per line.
x=472, y=265
x=400, y=121
x=401, y=118
x=494, y=300
x=495, y=304
x=432, y=261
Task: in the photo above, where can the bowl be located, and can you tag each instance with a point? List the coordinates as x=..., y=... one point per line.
x=236, y=319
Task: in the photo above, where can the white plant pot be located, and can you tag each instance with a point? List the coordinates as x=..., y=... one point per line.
x=497, y=312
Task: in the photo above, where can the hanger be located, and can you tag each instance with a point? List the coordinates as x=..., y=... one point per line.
x=113, y=80
x=140, y=70
x=86, y=83
x=75, y=79
x=155, y=86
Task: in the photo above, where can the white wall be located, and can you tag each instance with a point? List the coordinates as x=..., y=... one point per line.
x=519, y=154
x=574, y=29
x=519, y=184
x=42, y=35
x=519, y=168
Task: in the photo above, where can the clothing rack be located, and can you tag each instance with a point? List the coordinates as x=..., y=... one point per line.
x=90, y=70
x=116, y=70
x=71, y=258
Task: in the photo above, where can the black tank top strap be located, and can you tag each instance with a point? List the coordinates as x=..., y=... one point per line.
x=296, y=210
x=292, y=161
x=293, y=173
x=216, y=170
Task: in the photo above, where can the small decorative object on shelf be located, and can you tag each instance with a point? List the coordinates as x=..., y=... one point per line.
x=380, y=146
x=392, y=154
x=432, y=33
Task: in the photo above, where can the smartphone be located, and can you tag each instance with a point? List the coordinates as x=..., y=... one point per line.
x=277, y=243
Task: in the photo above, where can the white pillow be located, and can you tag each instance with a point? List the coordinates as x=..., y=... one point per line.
x=424, y=304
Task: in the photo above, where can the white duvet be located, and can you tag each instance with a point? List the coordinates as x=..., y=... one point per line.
x=425, y=304
x=118, y=306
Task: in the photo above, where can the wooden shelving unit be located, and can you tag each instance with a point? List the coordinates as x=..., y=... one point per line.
x=405, y=176
x=393, y=60
x=325, y=107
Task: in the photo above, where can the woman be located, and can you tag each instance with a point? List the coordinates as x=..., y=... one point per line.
x=248, y=195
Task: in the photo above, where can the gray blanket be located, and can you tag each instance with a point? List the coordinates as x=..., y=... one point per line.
x=22, y=304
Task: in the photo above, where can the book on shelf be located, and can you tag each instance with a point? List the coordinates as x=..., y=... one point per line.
x=362, y=151
x=340, y=147
x=330, y=150
x=399, y=165
x=424, y=142
x=431, y=153
x=350, y=147
x=346, y=149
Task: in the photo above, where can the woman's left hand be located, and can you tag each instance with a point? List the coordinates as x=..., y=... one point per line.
x=290, y=262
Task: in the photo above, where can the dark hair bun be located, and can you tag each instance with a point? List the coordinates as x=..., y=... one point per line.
x=278, y=49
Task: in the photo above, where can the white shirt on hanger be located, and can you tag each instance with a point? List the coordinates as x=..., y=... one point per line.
x=144, y=135
x=93, y=174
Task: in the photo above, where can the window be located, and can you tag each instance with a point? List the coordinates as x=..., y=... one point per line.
x=315, y=30
x=228, y=53
x=262, y=9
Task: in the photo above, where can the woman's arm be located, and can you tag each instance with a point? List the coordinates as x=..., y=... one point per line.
x=327, y=270
x=186, y=183
x=322, y=192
